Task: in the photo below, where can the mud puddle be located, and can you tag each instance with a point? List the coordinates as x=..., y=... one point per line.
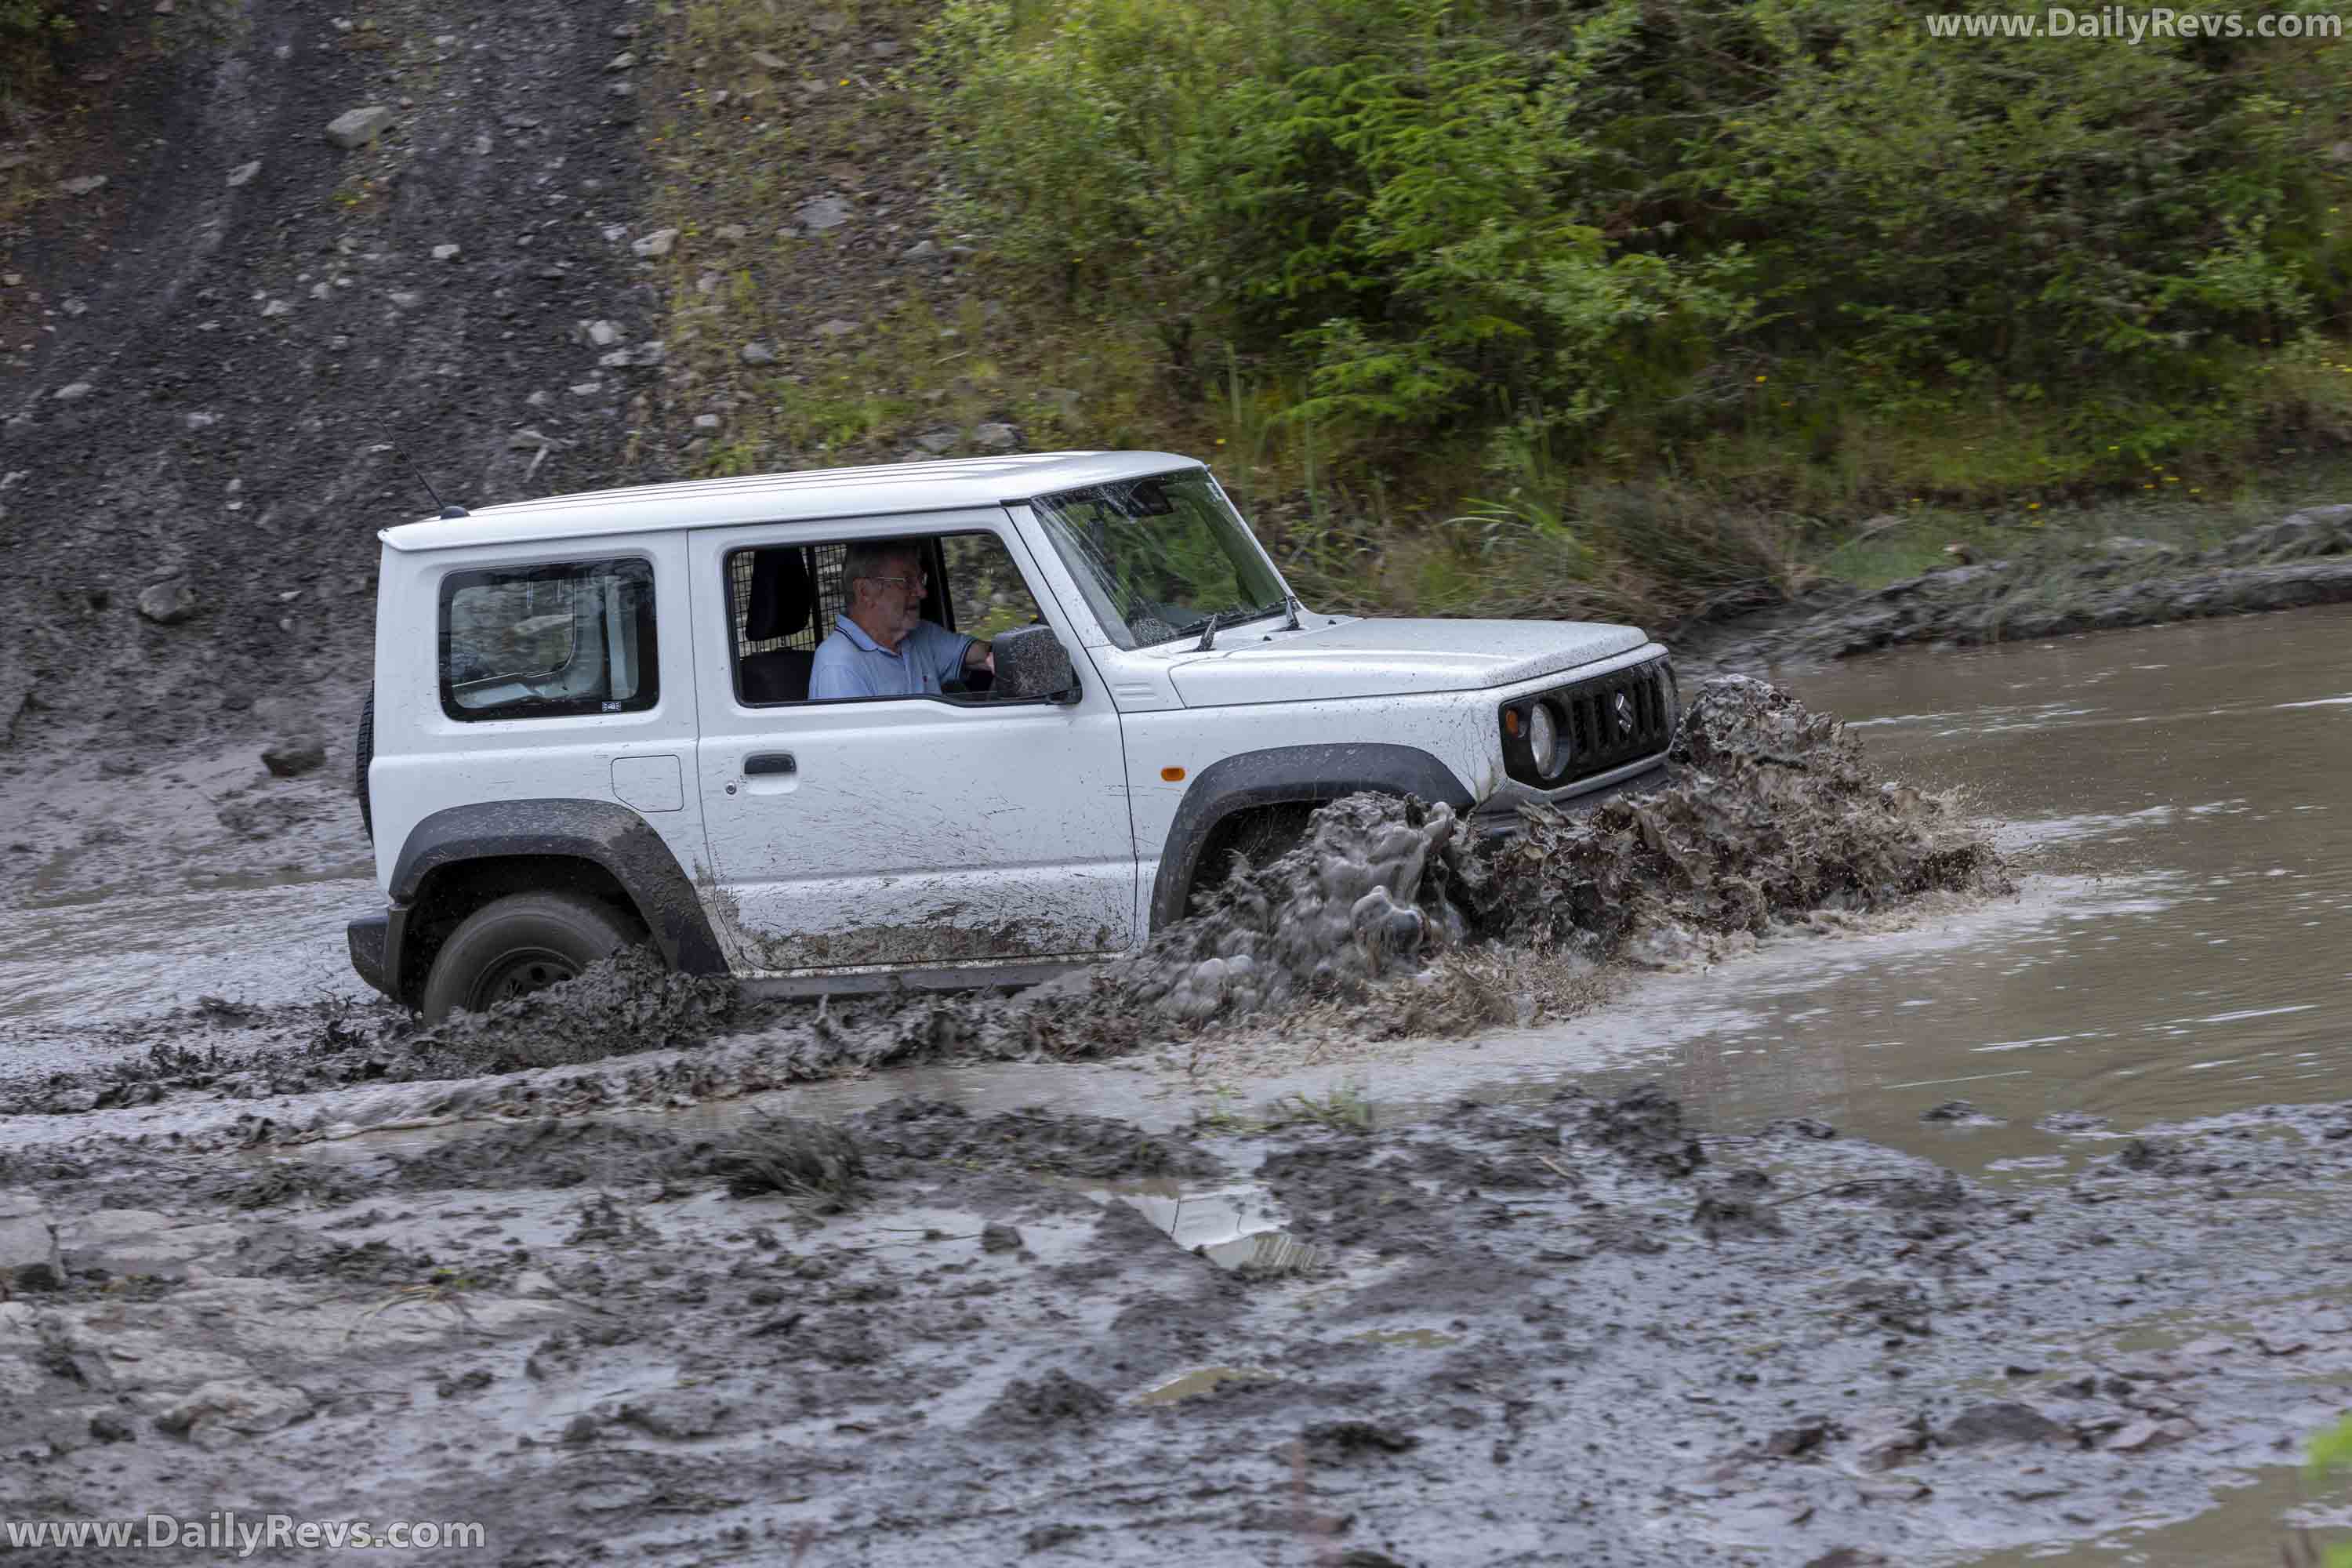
x=130, y=957
x=2251, y=1516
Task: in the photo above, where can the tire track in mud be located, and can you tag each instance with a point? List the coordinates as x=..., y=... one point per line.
x=1585, y=1328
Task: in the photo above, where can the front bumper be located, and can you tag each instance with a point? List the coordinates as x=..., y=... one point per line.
x=1499, y=814
x=370, y=942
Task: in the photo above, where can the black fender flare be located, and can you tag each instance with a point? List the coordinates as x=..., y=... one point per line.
x=1283, y=776
x=608, y=834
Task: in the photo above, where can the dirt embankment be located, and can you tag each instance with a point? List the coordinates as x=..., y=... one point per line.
x=222, y=367
x=925, y=1334
x=2305, y=558
x=1386, y=920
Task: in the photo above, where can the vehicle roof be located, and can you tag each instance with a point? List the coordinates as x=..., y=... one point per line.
x=810, y=495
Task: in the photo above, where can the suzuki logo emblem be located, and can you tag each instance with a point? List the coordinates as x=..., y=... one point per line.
x=1624, y=713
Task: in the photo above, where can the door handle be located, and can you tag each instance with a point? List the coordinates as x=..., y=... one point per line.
x=761, y=762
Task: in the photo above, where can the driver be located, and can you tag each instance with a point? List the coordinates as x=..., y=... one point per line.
x=881, y=645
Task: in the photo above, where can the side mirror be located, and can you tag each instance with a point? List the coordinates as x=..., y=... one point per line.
x=1031, y=662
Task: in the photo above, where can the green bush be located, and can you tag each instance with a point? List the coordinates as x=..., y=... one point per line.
x=1581, y=228
x=30, y=32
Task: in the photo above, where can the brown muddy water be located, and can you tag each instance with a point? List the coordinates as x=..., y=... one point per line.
x=2183, y=789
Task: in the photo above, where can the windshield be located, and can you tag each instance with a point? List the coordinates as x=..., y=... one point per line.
x=1157, y=557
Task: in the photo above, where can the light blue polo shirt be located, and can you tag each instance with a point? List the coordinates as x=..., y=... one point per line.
x=851, y=664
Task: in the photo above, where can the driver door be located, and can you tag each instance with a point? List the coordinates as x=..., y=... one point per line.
x=946, y=833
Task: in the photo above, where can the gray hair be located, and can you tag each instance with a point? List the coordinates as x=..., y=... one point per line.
x=868, y=558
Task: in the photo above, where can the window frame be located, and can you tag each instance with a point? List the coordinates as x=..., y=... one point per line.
x=939, y=598
x=648, y=638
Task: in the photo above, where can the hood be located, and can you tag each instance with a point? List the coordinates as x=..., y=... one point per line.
x=1387, y=659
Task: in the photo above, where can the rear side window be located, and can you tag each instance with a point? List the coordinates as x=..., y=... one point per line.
x=549, y=642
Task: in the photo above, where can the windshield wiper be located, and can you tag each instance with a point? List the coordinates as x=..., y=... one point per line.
x=1235, y=617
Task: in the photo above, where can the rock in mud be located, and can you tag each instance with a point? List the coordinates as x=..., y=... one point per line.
x=357, y=127
x=1056, y=1399
x=222, y=1415
x=293, y=757
x=167, y=603
x=1812, y=1432
x=1959, y=1110
x=1000, y=1239
x=1943, y=1191
x=678, y=1413
x=2139, y=1436
x=1887, y=1437
x=2002, y=1421
x=1344, y=1440
x=26, y=1238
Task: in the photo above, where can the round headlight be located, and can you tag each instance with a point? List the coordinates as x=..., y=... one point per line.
x=1543, y=739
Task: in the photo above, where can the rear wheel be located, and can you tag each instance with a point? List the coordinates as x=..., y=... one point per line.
x=521, y=943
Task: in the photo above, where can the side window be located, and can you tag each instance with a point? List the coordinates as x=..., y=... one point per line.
x=787, y=599
x=549, y=642
x=984, y=586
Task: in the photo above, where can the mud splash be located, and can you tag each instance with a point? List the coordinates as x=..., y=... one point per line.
x=631, y=1003
x=1774, y=815
x=1771, y=816
x=1388, y=920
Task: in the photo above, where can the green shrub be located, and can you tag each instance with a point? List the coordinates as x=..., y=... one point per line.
x=30, y=33
x=1601, y=230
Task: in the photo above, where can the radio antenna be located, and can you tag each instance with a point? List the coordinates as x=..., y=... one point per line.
x=446, y=511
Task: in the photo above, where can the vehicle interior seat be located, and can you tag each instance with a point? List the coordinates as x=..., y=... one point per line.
x=781, y=600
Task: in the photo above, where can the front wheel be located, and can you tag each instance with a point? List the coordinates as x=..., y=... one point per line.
x=521, y=943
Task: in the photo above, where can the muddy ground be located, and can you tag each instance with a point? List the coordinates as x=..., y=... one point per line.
x=1579, y=1331
x=557, y=1272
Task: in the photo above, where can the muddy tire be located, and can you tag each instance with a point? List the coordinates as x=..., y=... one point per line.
x=1260, y=836
x=518, y=945
x=364, y=749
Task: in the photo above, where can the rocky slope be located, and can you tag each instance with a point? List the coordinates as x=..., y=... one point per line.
x=228, y=361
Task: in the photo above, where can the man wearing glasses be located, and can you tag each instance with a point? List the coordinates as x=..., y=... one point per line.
x=881, y=645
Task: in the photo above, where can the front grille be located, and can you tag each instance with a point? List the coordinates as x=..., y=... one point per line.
x=1605, y=722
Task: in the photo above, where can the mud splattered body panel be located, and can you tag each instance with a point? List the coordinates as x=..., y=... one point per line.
x=427, y=762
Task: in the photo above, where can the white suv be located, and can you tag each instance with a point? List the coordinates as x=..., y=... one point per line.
x=590, y=726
